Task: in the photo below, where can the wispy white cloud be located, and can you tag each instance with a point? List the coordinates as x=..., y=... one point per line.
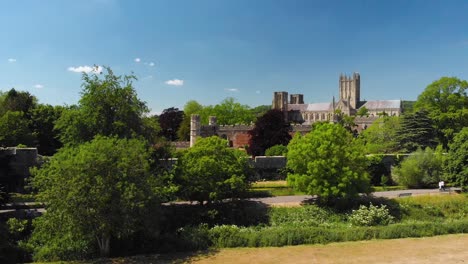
x=137, y=60
x=11, y=60
x=175, y=82
x=151, y=64
x=234, y=90
x=257, y=92
x=38, y=86
x=86, y=69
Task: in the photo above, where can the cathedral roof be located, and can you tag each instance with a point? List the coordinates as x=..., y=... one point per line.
x=310, y=107
x=382, y=104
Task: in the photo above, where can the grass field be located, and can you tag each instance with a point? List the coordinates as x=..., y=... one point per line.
x=441, y=249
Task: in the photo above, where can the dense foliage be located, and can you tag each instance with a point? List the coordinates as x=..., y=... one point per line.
x=457, y=160
x=416, y=131
x=98, y=191
x=211, y=171
x=170, y=121
x=327, y=162
x=380, y=137
x=447, y=104
x=269, y=130
x=423, y=168
x=109, y=106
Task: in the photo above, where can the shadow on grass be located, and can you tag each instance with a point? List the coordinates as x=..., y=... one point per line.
x=179, y=257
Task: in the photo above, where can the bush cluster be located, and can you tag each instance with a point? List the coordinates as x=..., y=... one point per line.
x=371, y=216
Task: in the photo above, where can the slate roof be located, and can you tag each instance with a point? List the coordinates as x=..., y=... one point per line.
x=310, y=107
x=382, y=104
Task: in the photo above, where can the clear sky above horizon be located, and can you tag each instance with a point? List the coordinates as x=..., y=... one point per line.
x=207, y=50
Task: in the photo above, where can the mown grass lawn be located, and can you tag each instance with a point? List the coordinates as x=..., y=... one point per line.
x=439, y=249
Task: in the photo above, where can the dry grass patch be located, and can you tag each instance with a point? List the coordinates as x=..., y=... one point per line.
x=441, y=249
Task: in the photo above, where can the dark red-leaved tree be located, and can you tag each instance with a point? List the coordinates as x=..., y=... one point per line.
x=270, y=129
x=169, y=121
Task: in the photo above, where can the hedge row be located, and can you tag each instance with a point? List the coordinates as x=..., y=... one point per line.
x=234, y=236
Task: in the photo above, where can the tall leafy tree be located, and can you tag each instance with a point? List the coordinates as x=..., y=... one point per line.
x=191, y=107
x=98, y=191
x=271, y=129
x=327, y=162
x=447, y=104
x=170, y=121
x=456, y=169
x=43, y=119
x=422, y=169
x=380, y=137
x=14, y=130
x=211, y=171
x=416, y=131
x=109, y=106
x=18, y=101
x=231, y=112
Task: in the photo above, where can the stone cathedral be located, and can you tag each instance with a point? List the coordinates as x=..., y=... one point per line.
x=349, y=103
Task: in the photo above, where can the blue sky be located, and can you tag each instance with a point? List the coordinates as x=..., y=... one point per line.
x=207, y=50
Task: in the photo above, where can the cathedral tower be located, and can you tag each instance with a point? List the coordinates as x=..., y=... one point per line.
x=350, y=89
x=280, y=102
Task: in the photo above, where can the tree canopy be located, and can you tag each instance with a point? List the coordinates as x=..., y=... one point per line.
x=109, y=106
x=380, y=137
x=99, y=190
x=170, y=121
x=211, y=171
x=447, y=104
x=457, y=160
x=327, y=162
x=416, y=131
x=270, y=129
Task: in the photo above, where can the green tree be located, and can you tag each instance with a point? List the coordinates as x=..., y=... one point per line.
x=277, y=150
x=14, y=130
x=99, y=190
x=327, y=162
x=18, y=101
x=380, y=137
x=447, y=104
x=190, y=108
x=416, y=131
x=271, y=129
x=43, y=119
x=109, y=106
x=363, y=111
x=211, y=171
x=231, y=112
x=260, y=110
x=424, y=168
x=456, y=169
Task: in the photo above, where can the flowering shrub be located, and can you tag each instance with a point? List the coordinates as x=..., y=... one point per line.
x=371, y=216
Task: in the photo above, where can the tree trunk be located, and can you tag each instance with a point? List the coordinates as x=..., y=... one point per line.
x=104, y=246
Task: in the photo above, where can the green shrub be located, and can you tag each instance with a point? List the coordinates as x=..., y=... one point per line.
x=277, y=150
x=310, y=215
x=422, y=169
x=371, y=216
